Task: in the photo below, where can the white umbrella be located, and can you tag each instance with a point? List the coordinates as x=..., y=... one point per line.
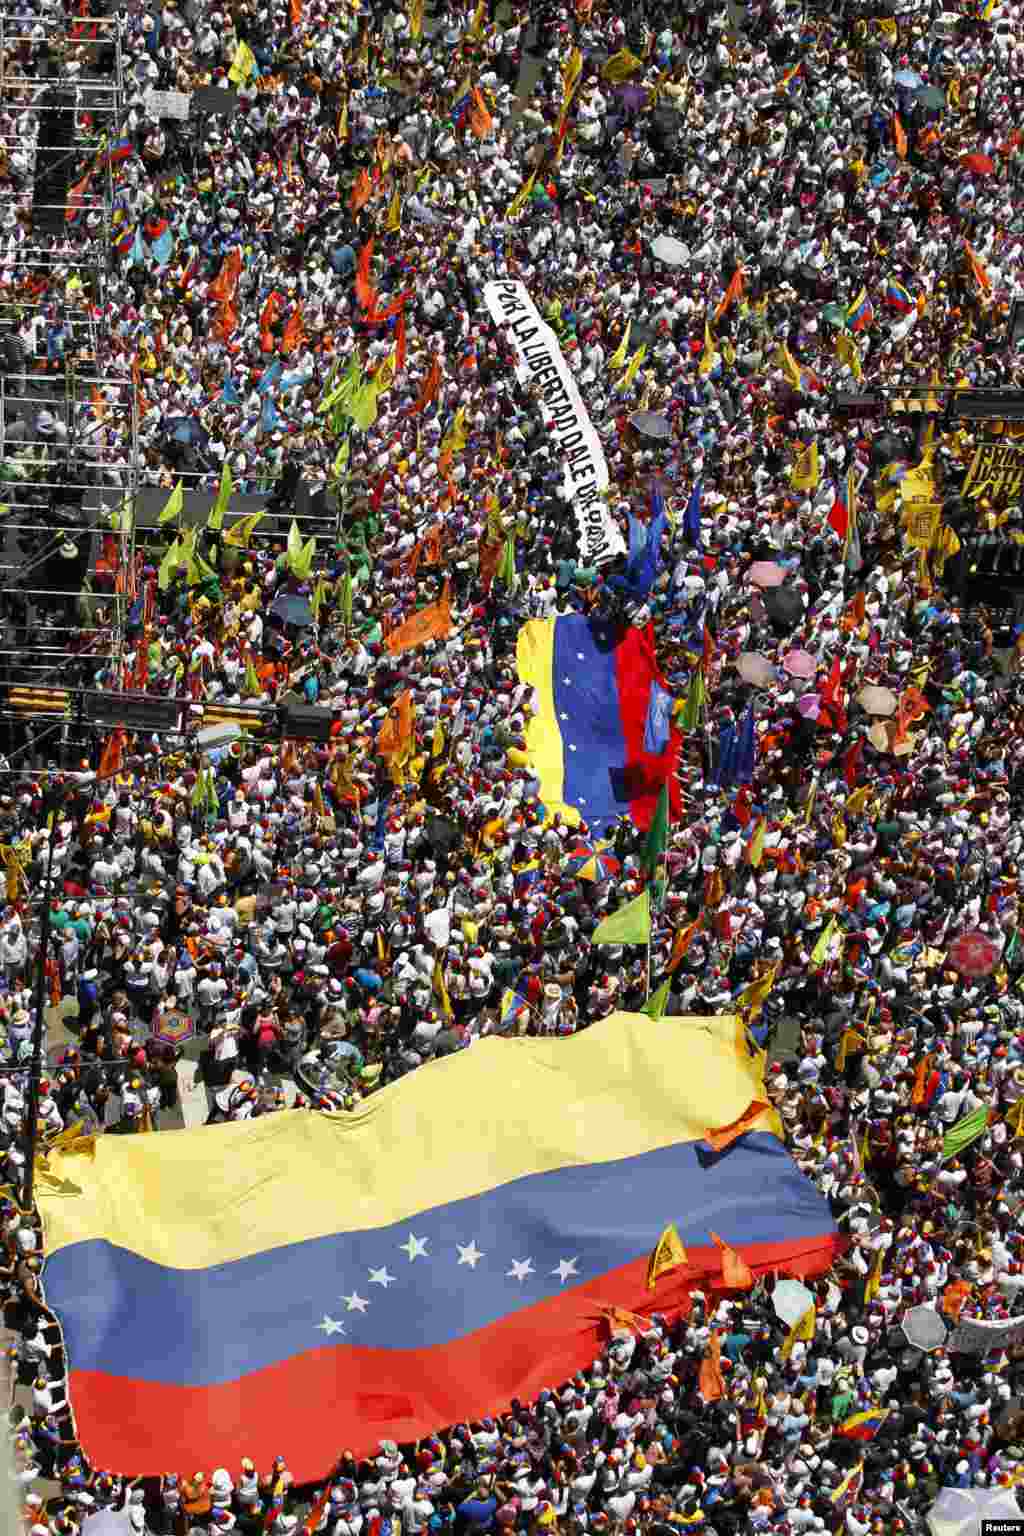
x=791, y=1300
x=924, y=1328
x=960, y=1511
x=670, y=250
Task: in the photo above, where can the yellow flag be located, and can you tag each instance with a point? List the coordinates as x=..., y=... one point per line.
x=838, y=829
x=755, y=853
x=847, y=352
x=242, y=65
x=241, y=532
x=1015, y=1119
x=518, y=203
x=415, y=14
x=873, y=1283
x=620, y=67
x=850, y=1041
x=668, y=1254
x=571, y=72
x=709, y=357
x=394, y=219
x=858, y=800
x=476, y=26
x=809, y=805
x=343, y=114
x=173, y=505
x=802, y=1330
x=631, y=372
x=385, y=375
x=752, y=997
x=441, y=989
x=618, y=357
x=227, y=486
x=806, y=472
x=168, y=565
x=820, y=950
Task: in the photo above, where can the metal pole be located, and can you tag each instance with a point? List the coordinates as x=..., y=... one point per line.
x=36, y=1068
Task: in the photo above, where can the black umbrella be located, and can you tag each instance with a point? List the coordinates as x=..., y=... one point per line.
x=292, y=608
x=442, y=834
x=651, y=424
x=783, y=605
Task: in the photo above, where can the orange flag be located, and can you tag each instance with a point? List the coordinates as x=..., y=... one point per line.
x=427, y=549
x=224, y=284
x=430, y=623
x=480, y=120
x=365, y=292
x=731, y=294
x=360, y=192
x=736, y=1272
x=429, y=388
x=112, y=755
x=710, y=1381
x=268, y=318
x=396, y=736
x=488, y=556
x=295, y=11
x=953, y=1298
x=899, y=136
x=921, y=1074
x=725, y=1135
x=226, y=323
x=294, y=332
x=681, y=943
x=618, y=1318
x=981, y=277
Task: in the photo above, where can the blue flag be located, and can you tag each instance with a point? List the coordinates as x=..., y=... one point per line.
x=162, y=247
x=722, y=769
x=746, y=749
x=691, y=521
x=656, y=727
x=229, y=394
x=269, y=417
x=269, y=378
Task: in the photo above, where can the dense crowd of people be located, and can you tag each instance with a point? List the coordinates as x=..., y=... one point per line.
x=300, y=281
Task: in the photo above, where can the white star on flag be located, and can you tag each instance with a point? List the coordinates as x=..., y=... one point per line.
x=355, y=1302
x=415, y=1247
x=330, y=1325
x=470, y=1254
x=381, y=1277
x=566, y=1267
x=520, y=1269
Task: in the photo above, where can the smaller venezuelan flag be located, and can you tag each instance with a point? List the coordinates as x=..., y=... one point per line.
x=897, y=297
x=863, y=1426
x=586, y=740
x=861, y=312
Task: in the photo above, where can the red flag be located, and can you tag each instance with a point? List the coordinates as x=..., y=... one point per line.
x=741, y=808
x=378, y=316
x=429, y=388
x=851, y=762
x=681, y=943
x=365, y=291
x=268, y=318
x=709, y=651
x=226, y=323
x=316, y=1509
x=294, y=332
x=839, y=519
x=112, y=755
x=400, y=342
x=829, y=690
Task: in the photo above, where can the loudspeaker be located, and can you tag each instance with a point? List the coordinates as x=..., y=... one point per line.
x=854, y=407
x=305, y=722
x=135, y=711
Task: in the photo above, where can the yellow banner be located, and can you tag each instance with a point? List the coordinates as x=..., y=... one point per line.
x=996, y=473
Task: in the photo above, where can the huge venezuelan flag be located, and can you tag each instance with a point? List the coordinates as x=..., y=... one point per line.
x=303, y=1282
x=586, y=740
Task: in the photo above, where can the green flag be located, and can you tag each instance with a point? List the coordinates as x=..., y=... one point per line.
x=964, y=1132
x=631, y=924
x=302, y=563
x=363, y=405
x=346, y=599
x=506, y=571
x=212, y=801
x=341, y=457
x=820, y=951
x=693, y=709
x=294, y=543
x=319, y=593
x=220, y=506
x=251, y=684
x=657, y=833
x=657, y=1002
x=173, y=505
x=168, y=565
